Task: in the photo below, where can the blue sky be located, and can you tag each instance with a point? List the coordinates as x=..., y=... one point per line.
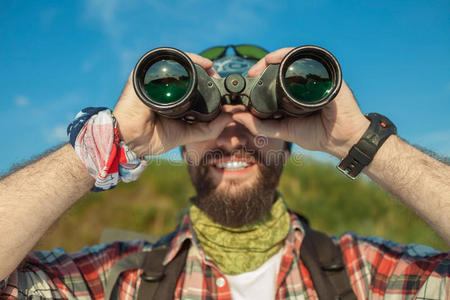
x=57, y=57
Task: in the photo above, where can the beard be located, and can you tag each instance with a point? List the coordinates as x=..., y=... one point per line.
x=237, y=204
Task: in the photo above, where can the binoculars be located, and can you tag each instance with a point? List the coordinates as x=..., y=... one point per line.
x=306, y=80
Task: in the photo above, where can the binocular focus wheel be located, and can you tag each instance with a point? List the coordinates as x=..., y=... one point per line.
x=235, y=83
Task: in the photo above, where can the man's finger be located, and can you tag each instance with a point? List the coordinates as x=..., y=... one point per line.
x=277, y=56
x=213, y=73
x=271, y=58
x=206, y=63
x=202, y=131
x=200, y=60
x=257, y=68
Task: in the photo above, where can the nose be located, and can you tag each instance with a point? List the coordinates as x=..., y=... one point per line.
x=235, y=135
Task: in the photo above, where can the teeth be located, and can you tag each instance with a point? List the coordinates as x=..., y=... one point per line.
x=232, y=165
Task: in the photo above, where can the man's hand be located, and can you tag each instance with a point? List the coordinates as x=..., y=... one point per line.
x=147, y=133
x=335, y=129
x=417, y=180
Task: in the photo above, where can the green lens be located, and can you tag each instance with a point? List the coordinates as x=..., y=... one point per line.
x=307, y=80
x=212, y=53
x=166, y=81
x=251, y=51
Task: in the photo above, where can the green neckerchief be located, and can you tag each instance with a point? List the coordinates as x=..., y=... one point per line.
x=243, y=249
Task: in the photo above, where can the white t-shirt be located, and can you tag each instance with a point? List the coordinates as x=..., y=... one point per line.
x=258, y=284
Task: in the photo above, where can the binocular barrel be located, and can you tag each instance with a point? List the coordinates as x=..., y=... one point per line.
x=167, y=80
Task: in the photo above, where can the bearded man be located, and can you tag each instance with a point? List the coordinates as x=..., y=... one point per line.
x=239, y=239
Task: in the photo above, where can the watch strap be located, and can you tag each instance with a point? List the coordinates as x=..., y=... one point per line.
x=363, y=152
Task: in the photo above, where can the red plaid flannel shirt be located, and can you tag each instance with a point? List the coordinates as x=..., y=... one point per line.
x=378, y=269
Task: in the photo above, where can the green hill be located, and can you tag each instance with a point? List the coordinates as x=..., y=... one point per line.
x=153, y=204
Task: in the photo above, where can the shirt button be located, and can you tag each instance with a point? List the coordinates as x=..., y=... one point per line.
x=220, y=282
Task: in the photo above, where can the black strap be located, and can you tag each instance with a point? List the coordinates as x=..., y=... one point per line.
x=363, y=152
x=159, y=281
x=130, y=262
x=323, y=259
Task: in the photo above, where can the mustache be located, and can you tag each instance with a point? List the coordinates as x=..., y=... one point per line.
x=218, y=154
x=275, y=157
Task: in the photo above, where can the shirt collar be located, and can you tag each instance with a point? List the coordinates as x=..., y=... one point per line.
x=182, y=233
x=296, y=233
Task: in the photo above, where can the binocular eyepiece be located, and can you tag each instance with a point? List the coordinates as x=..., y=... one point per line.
x=306, y=80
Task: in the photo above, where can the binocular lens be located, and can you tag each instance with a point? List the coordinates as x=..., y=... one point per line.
x=166, y=81
x=307, y=80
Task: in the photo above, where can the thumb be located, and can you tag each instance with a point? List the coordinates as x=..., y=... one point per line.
x=270, y=128
x=202, y=131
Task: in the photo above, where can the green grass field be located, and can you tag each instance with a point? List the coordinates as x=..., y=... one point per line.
x=154, y=203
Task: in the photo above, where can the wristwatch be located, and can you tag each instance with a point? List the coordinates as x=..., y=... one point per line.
x=362, y=153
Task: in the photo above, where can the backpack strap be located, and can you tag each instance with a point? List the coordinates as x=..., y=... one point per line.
x=323, y=259
x=132, y=261
x=159, y=281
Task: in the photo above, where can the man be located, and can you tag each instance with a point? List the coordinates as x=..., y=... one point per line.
x=244, y=244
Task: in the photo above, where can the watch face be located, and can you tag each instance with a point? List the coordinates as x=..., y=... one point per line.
x=382, y=121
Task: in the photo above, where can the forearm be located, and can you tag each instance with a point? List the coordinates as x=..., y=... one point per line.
x=33, y=198
x=416, y=179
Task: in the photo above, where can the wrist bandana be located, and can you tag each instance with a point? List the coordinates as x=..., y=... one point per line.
x=95, y=137
x=243, y=249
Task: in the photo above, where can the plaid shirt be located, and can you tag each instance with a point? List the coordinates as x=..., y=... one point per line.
x=378, y=269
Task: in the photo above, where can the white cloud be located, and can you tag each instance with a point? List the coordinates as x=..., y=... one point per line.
x=47, y=16
x=228, y=21
x=104, y=9
x=21, y=101
x=50, y=118
x=87, y=66
x=106, y=12
x=57, y=134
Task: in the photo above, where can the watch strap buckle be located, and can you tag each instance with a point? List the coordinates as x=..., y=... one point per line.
x=354, y=162
x=362, y=153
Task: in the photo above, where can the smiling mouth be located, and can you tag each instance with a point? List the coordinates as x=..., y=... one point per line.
x=233, y=165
